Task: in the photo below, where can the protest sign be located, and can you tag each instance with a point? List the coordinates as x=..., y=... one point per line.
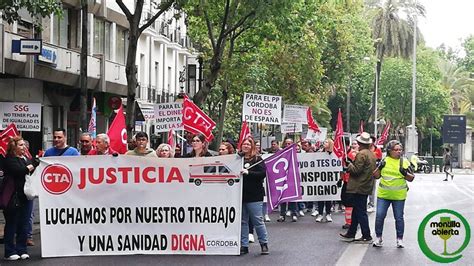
x=260, y=108
x=317, y=135
x=319, y=172
x=291, y=128
x=26, y=116
x=168, y=116
x=139, y=205
x=295, y=114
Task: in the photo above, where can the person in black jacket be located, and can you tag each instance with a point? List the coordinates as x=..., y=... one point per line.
x=252, y=197
x=17, y=219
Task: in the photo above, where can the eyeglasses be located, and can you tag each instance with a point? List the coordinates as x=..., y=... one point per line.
x=84, y=141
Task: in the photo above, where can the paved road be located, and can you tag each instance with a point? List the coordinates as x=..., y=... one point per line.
x=307, y=243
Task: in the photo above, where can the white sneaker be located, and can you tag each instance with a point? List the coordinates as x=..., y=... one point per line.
x=378, y=242
x=319, y=218
x=301, y=213
x=251, y=238
x=13, y=257
x=400, y=243
x=315, y=213
x=288, y=213
x=370, y=209
x=294, y=218
x=267, y=218
x=329, y=218
x=24, y=256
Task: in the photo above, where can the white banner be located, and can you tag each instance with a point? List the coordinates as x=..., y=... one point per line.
x=138, y=205
x=291, y=128
x=317, y=136
x=168, y=116
x=260, y=108
x=319, y=172
x=26, y=116
x=295, y=114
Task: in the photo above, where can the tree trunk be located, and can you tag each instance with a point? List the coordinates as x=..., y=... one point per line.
x=132, y=83
x=220, y=123
x=209, y=81
x=83, y=73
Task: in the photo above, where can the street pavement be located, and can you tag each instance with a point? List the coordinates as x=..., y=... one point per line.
x=309, y=243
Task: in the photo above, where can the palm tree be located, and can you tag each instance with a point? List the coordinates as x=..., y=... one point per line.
x=457, y=81
x=393, y=30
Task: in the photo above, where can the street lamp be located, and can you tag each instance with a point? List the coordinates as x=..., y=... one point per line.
x=376, y=99
x=182, y=80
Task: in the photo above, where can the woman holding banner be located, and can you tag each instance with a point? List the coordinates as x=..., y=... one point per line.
x=17, y=216
x=199, y=144
x=253, y=175
x=328, y=146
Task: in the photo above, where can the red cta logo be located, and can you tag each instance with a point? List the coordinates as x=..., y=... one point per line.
x=56, y=179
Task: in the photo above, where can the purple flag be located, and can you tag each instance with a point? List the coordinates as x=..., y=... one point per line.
x=283, y=177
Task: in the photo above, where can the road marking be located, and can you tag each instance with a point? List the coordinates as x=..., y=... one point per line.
x=462, y=191
x=353, y=255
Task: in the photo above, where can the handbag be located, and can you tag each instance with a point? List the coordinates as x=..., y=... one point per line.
x=7, y=189
x=29, y=189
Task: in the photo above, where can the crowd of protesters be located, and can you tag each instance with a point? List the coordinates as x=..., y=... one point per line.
x=363, y=164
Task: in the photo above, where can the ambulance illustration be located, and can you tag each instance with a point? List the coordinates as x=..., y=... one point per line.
x=216, y=172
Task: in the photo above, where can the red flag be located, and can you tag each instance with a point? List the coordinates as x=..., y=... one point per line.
x=338, y=145
x=311, y=123
x=171, y=140
x=118, y=133
x=196, y=121
x=9, y=132
x=384, y=136
x=244, y=133
x=361, y=126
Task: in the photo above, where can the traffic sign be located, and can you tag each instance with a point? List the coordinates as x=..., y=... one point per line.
x=30, y=46
x=454, y=129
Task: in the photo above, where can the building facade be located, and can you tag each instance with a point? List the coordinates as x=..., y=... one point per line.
x=166, y=61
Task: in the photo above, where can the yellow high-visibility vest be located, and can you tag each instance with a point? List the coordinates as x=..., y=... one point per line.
x=393, y=185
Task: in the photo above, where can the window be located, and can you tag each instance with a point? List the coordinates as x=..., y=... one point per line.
x=99, y=36
x=60, y=29
x=191, y=90
x=121, y=42
x=209, y=169
x=108, y=42
x=223, y=170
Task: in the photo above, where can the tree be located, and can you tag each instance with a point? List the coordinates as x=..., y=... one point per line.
x=36, y=9
x=458, y=83
x=432, y=100
x=392, y=33
x=135, y=30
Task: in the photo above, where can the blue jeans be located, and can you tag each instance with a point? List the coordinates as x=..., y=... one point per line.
x=382, y=207
x=16, y=222
x=359, y=216
x=252, y=211
x=29, y=232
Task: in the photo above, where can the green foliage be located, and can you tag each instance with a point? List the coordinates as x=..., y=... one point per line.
x=37, y=9
x=395, y=92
